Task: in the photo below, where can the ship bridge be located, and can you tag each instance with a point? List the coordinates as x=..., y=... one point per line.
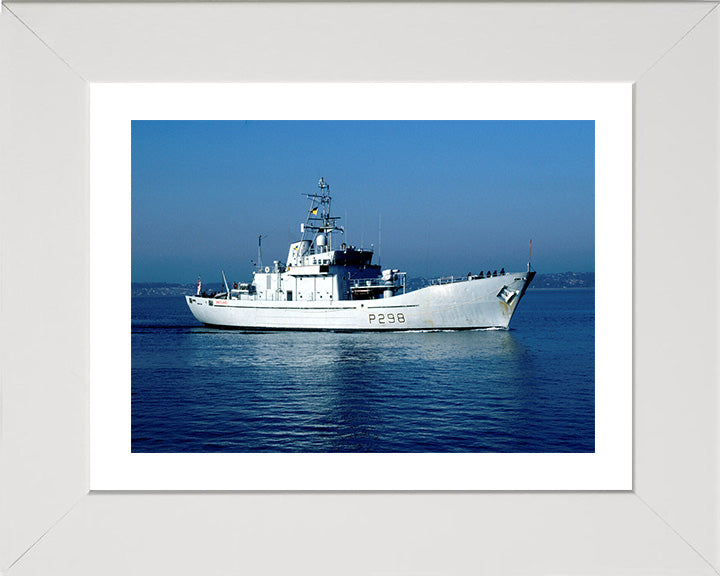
x=304, y=253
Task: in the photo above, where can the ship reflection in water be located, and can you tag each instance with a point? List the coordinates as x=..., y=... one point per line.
x=197, y=389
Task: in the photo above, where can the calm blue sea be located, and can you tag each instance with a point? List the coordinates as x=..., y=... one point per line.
x=528, y=389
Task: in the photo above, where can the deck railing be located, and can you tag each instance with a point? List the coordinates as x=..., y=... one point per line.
x=448, y=280
x=397, y=283
x=453, y=279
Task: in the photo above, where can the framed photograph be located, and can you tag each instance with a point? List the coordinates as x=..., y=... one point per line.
x=579, y=135
x=63, y=396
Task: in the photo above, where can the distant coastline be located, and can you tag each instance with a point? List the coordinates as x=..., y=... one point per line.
x=561, y=280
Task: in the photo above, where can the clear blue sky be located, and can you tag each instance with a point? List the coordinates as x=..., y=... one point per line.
x=454, y=197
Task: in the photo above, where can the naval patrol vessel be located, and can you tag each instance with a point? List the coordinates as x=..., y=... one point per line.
x=323, y=286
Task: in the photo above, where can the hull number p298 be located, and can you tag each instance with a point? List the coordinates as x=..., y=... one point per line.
x=387, y=318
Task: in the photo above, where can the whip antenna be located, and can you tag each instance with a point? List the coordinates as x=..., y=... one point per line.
x=260, y=252
x=529, y=255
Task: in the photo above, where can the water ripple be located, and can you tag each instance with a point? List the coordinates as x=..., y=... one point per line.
x=529, y=389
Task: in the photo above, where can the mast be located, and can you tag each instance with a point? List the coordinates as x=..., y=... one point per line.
x=319, y=219
x=260, y=252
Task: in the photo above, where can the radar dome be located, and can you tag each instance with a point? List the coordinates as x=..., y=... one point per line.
x=321, y=240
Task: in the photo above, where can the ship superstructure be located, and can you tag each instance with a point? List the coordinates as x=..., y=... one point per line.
x=325, y=286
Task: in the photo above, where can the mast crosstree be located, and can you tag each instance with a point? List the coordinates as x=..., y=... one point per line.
x=319, y=219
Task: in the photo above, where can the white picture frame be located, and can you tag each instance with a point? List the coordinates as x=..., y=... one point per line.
x=667, y=524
